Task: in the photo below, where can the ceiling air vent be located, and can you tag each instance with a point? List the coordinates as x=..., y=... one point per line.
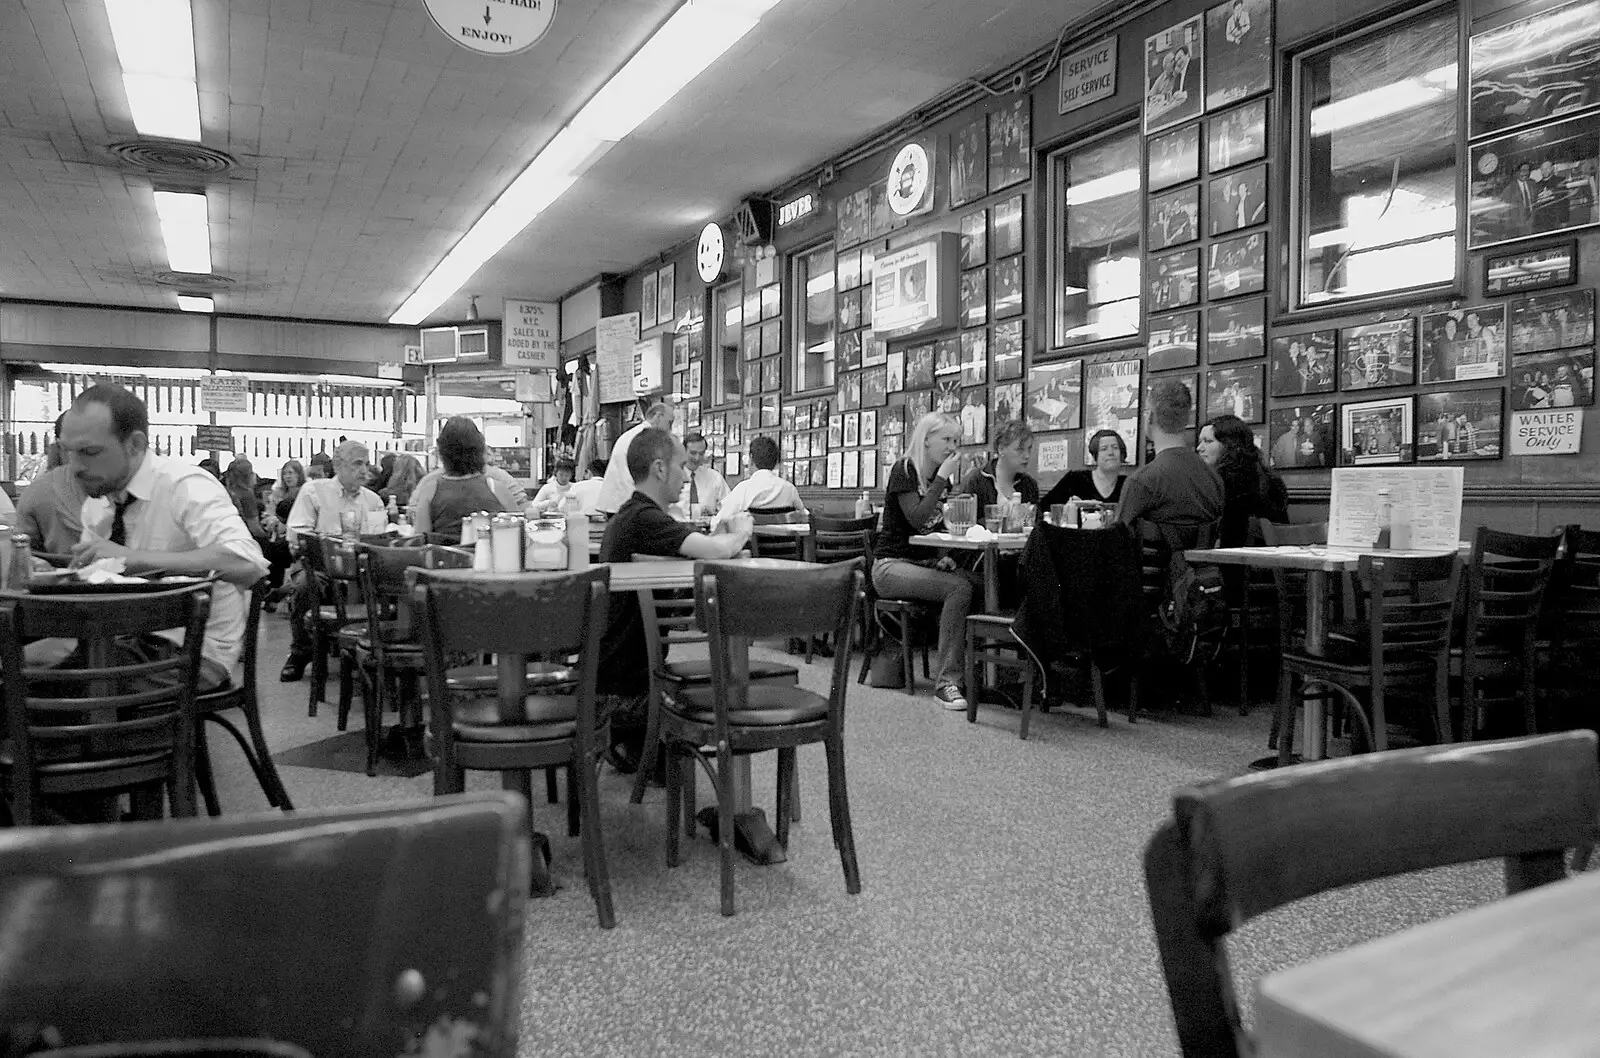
x=173, y=158
x=195, y=282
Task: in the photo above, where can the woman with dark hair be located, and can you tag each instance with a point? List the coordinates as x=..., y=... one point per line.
x=1249, y=489
x=1005, y=479
x=404, y=474
x=275, y=517
x=381, y=474
x=1103, y=483
x=460, y=487
x=240, y=481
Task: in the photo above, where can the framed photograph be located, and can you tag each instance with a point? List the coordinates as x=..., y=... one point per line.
x=1236, y=332
x=1055, y=396
x=1237, y=266
x=691, y=413
x=1464, y=344
x=1008, y=350
x=1172, y=158
x=680, y=352
x=772, y=374
x=1173, y=218
x=851, y=476
x=769, y=411
x=1304, y=364
x=1560, y=379
x=1238, y=200
x=835, y=469
x=751, y=379
x=896, y=365
x=772, y=338
x=975, y=239
x=647, y=301
x=1534, y=69
x=835, y=431
x=1008, y=287
x=848, y=270
x=666, y=289
x=1238, y=51
x=1460, y=424
x=969, y=161
x=771, y=301
x=892, y=421
x=919, y=367
x=731, y=464
x=852, y=429
x=975, y=416
x=750, y=343
x=947, y=396
x=694, y=379
x=1191, y=380
x=1376, y=432
x=1174, y=280
x=974, y=357
x=1534, y=183
x=1010, y=151
x=1237, y=137
x=1173, y=62
x=1237, y=391
x=802, y=416
x=874, y=351
x=874, y=387
x=1547, y=266
x=1005, y=404
x=975, y=297
x=869, y=427
x=917, y=405
x=1111, y=392
x=848, y=354
x=1375, y=355
x=1008, y=227
x=1174, y=341
x=947, y=356
x=1302, y=437
x=850, y=310
x=1552, y=321
x=869, y=470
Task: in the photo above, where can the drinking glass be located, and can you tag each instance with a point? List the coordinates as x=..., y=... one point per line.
x=960, y=514
x=1022, y=516
x=994, y=518
x=1058, y=514
x=350, y=525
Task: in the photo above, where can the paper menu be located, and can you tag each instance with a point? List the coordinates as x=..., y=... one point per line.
x=1429, y=497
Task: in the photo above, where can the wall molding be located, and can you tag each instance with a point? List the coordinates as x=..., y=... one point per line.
x=1551, y=492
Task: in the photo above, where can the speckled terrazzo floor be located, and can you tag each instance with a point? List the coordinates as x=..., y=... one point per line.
x=1002, y=909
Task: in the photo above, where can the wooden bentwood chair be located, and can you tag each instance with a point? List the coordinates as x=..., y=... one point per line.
x=1238, y=848
x=1497, y=658
x=736, y=717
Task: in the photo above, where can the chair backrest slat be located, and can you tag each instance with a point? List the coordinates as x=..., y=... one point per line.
x=488, y=613
x=1410, y=602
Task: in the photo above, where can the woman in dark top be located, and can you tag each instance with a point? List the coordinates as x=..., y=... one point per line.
x=914, y=503
x=1103, y=484
x=1249, y=489
x=1005, y=480
x=462, y=489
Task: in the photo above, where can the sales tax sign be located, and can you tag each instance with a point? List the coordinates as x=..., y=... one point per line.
x=225, y=393
x=1547, y=433
x=493, y=27
x=530, y=334
x=1088, y=76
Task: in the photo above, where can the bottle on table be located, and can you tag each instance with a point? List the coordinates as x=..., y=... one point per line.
x=20, y=575
x=1385, y=520
x=577, y=534
x=393, y=511
x=863, y=506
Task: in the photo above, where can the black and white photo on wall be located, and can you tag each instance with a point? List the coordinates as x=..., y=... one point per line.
x=1537, y=182
x=974, y=239
x=1464, y=345
x=1174, y=280
x=895, y=364
x=1563, y=378
x=1174, y=341
x=772, y=338
x=1237, y=391
x=852, y=429
x=969, y=162
x=1304, y=364
x=1552, y=321
x=647, y=301
x=850, y=470
x=947, y=356
x=869, y=426
x=917, y=404
x=874, y=351
x=770, y=370
x=1191, y=381
x=1055, y=396
x=1375, y=355
x=666, y=288
x=1008, y=227
x=974, y=416
x=750, y=343
x=1010, y=150
x=849, y=354
x=1301, y=437
x=975, y=297
x=1008, y=287
x=1535, y=68
x=850, y=392
x=1008, y=350
x=1111, y=396
x=1237, y=266
x=1377, y=432
x=1173, y=63
x=848, y=270
x=1237, y=200
x=974, y=357
x=835, y=430
x=1236, y=331
x=1173, y=218
x=1005, y=403
x=1238, y=51
x=1236, y=137
x=850, y=310
x=1172, y=158
x=769, y=411
x=1533, y=269
x=919, y=367
x=1460, y=424
x=874, y=387
x=947, y=395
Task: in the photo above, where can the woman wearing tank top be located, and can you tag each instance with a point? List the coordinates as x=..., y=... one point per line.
x=461, y=488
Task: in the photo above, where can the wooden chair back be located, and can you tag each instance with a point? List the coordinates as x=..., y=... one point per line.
x=1411, y=605
x=431, y=894
x=843, y=539
x=384, y=584
x=338, y=562
x=776, y=516
x=1290, y=584
x=79, y=730
x=1237, y=848
x=1506, y=581
x=440, y=557
x=1572, y=606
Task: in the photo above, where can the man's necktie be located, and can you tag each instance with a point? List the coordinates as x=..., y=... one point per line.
x=694, y=490
x=119, y=528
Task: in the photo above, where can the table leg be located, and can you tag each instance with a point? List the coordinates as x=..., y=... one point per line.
x=1314, y=728
x=752, y=835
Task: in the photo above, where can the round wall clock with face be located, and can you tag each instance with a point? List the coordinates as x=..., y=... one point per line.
x=709, y=256
x=908, y=179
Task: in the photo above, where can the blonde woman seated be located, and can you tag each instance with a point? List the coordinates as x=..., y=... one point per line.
x=914, y=504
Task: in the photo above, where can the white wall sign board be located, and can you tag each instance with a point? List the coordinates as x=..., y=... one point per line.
x=1428, y=497
x=1088, y=75
x=530, y=334
x=1547, y=433
x=614, y=338
x=391, y=369
x=1054, y=456
x=493, y=27
x=225, y=393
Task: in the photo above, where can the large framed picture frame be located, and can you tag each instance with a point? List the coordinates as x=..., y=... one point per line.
x=1534, y=69
x=1174, y=60
x=1532, y=269
x=1460, y=424
x=1536, y=182
x=1377, y=432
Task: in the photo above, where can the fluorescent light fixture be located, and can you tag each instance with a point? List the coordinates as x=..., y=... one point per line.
x=155, y=46
x=196, y=303
x=694, y=37
x=186, y=230
x=1363, y=108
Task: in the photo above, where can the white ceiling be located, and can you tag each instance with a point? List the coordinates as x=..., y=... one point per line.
x=368, y=142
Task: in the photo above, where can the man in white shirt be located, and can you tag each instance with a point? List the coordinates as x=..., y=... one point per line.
x=705, y=486
x=554, y=491
x=156, y=512
x=587, y=491
x=763, y=490
x=316, y=510
x=618, y=484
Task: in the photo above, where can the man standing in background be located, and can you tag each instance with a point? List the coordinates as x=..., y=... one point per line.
x=48, y=509
x=618, y=484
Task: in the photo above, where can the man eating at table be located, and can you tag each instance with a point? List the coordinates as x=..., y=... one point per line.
x=1175, y=488
x=642, y=526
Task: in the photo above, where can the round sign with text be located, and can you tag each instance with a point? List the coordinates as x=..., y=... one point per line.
x=908, y=179
x=709, y=254
x=493, y=27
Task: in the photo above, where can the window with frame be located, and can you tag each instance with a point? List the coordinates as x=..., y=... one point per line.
x=727, y=331
x=1376, y=161
x=816, y=324
x=1096, y=191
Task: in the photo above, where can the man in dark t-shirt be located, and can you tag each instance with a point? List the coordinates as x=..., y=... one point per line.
x=1176, y=487
x=642, y=526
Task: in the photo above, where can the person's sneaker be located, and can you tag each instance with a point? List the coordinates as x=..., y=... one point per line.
x=951, y=698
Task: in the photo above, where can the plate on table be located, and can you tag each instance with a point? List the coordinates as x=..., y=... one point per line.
x=67, y=582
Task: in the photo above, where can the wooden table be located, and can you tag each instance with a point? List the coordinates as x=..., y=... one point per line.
x=992, y=547
x=1514, y=978
x=789, y=531
x=1317, y=560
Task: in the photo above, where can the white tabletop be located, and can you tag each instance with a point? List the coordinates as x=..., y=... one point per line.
x=679, y=572
x=1303, y=556
x=1005, y=541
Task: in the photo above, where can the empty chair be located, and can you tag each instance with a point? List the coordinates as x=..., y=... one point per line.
x=387, y=649
x=1496, y=661
x=1238, y=848
x=1291, y=597
x=1570, y=628
x=846, y=540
